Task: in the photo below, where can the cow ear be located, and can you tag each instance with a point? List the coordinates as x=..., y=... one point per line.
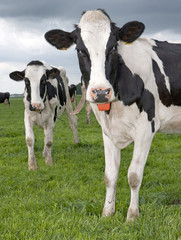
x=131, y=31
x=59, y=39
x=17, y=76
x=52, y=73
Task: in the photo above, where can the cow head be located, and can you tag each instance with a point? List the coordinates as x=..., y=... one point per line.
x=96, y=39
x=35, y=77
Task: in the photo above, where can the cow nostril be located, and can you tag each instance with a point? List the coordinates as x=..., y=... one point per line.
x=107, y=91
x=94, y=91
x=36, y=106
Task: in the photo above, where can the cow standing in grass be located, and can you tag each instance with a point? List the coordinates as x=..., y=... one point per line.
x=4, y=98
x=134, y=87
x=46, y=97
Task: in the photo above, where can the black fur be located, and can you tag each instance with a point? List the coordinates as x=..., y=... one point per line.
x=170, y=55
x=163, y=92
x=147, y=103
x=84, y=58
x=28, y=89
x=36, y=63
x=61, y=91
x=4, y=96
x=72, y=90
x=130, y=87
x=51, y=91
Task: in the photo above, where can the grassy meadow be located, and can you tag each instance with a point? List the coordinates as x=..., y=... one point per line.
x=65, y=201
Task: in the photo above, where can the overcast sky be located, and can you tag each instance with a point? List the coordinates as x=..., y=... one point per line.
x=23, y=25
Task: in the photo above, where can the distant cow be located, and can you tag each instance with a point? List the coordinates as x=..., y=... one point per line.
x=46, y=97
x=134, y=87
x=4, y=98
x=72, y=93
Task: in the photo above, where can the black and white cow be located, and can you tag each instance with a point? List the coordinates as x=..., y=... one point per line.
x=140, y=78
x=4, y=98
x=72, y=93
x=46, y=97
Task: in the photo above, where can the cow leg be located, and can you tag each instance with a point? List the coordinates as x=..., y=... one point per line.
x=88, y=113
x=72, y=120
x=30, y=142
x=48, y=140
x=112, y=163
x=75, y=101
x=135, y=172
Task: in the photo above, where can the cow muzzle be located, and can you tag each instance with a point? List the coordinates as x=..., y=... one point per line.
x=36, y=107
x=101, y=95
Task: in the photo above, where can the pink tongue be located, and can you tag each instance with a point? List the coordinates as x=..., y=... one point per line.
x=104, y=106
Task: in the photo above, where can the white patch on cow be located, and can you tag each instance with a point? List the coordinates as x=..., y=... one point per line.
x=95, y=32
x=34, y=74
x=135, y=55
x=140, y=53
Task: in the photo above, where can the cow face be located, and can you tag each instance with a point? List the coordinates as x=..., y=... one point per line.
x=35, y=77
x=96, y=39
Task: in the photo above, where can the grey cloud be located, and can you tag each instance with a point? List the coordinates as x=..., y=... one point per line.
x=157, y=15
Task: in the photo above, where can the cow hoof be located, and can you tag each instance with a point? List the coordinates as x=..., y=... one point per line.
x=76, y=141
x=132, y=214
x=49, y=161
x=32, y=163
x=33, y=167
x=107, y=213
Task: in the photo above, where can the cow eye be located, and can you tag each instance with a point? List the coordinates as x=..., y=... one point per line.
x=83, y=53
x=114, y=48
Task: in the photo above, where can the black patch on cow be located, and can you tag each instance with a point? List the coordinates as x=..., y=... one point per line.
x=43, y=82
x=83, y=57
x=170, y=55
x=153, y=126
x=131, y=90
x=37, y=63
x=51, y=91
x=147, y=103
x=112, y=60
x=130, y=87
x=61, y=91
x=28, y=89
x=163, y=92
x=55, y=114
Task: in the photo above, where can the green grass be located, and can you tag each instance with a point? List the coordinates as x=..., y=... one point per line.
x=65, y=201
